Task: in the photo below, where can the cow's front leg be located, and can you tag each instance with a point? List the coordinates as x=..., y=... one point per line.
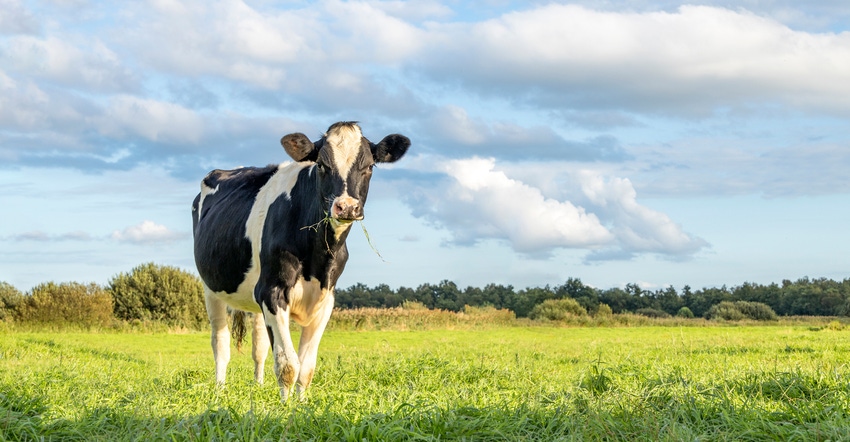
x=220, y=339
x=260, y=346
x=285, y=358
x=308, y=346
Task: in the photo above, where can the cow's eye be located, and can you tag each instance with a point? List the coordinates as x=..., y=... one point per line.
x=322, y=168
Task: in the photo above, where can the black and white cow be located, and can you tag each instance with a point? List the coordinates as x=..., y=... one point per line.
x=271, y=240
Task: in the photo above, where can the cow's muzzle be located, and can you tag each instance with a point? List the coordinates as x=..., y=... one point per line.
x=346, y=208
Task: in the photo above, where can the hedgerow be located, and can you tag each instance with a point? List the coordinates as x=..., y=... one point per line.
x=67, y=303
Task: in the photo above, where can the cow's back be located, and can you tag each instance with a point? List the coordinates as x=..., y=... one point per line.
x=219, y=214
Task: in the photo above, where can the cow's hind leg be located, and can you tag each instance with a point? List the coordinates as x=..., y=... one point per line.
x=260, y=346
x=217, y=312
x=285, y=357
x=308, y=346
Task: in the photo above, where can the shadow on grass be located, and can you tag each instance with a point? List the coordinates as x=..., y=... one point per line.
x=593, y=415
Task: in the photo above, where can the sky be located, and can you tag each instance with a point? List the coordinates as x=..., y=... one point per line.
x=650, y=142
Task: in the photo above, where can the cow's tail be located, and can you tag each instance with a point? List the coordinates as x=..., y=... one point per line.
x=238, y=327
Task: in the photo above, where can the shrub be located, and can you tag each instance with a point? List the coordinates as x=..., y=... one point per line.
x=736, y=311
x=159, y=293
x=726, y=310
x=684, y=312
x=10, y=299
x=604, y=311
x=756, y=310
x=557, y=309
x=652, y=312
x=835, y=325
x=68, y=303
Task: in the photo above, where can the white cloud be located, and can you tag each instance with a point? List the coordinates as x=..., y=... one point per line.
x=152, y=119
x=90, y=66
x=147, y=232
x=638, y=229
x=481, y=202
x=365, y=31
x=224, y=39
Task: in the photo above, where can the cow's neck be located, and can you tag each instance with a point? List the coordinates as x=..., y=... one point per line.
x=331, y=235
x=328, y=253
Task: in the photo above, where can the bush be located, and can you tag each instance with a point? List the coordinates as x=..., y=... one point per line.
x=604, y=311
x=756, y=310
x=724, y=310
x=10, y=299
x=684, y=312
x=736, y=311
x=159, y=293
x=68, y=303
x=652, y=313
x=557, y=309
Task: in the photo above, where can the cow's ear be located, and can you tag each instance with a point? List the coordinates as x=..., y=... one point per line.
x=299, y=147
x=390, y=149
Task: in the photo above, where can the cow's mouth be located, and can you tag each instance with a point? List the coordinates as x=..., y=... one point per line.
x=346, y=221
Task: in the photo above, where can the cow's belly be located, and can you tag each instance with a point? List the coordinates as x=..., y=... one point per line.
x=243, y=297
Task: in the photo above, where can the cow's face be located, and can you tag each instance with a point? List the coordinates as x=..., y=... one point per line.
x=344, y=159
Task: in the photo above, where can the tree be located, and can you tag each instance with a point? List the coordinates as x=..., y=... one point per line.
x=669, y=300
x=616, y=298
x=526, y=300
x=700, y=301
x=445, y=296
x=587, y=296
x=498, y=295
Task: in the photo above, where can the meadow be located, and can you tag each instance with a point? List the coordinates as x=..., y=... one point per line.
x=776, y=382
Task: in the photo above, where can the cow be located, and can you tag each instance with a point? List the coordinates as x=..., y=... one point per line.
x=271, y=241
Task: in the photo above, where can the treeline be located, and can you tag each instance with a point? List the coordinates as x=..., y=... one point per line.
x=164, y=295
x=807, y=297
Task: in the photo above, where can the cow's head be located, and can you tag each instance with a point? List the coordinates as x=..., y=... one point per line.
x=344, y=159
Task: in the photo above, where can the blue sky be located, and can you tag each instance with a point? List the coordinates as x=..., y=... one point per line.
x=648, y=142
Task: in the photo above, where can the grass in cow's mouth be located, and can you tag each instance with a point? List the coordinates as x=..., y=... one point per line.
x=315, y=227
x=369, y=240
x=327, y=219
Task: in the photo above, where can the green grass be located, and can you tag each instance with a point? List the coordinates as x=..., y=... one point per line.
x=538, y=383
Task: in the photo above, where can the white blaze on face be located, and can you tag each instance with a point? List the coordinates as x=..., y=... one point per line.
x=344, y=143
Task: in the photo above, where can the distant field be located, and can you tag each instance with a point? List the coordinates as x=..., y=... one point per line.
x=538, y=383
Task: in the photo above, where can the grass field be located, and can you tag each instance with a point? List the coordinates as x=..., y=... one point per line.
x=537, y=383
